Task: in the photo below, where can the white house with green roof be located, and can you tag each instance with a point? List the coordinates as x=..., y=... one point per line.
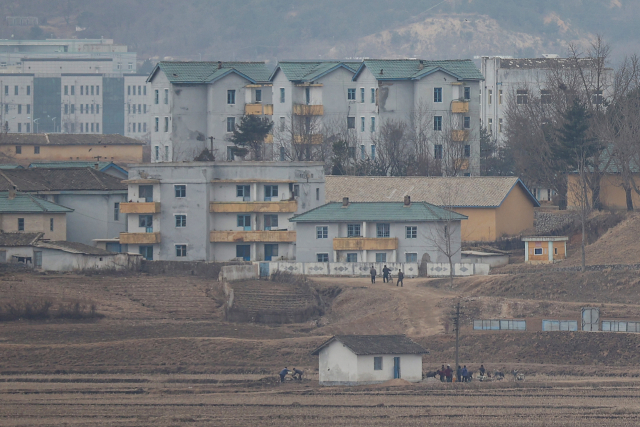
x=439, y=98
x=378, y=232
x=196, y=105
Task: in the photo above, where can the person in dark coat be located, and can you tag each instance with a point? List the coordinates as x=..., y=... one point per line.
x=448, y=373
x=482, y=370
x=385, y=274
x=441, y=373
x=297, y=374
x=400, y=278
x=459, y=374
x=283, y=374
x=373, y=273
x=465, y=374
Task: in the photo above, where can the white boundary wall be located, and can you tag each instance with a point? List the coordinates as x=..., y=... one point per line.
x=442, y=269
x=343, y=268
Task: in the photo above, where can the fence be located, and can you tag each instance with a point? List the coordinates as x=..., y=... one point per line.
x=343, y=268
x=500, y=325
x=443, y=270
x=620, y=326
x=559, y=325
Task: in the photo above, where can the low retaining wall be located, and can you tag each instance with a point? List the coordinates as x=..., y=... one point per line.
x=186, y=268
x=229, y=273
x=442, y=269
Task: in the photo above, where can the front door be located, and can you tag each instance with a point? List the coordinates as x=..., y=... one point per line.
x=396, y=367
x=244, y=252
x=264, y=269
x=147, y=252
x=37, y=259
x=270, y=251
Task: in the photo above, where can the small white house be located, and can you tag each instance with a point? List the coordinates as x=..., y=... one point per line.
x=369, y=359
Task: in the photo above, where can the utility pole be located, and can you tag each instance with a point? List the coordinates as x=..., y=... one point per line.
x=456, y=324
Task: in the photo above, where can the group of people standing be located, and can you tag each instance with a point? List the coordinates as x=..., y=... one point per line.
x=386, y=276
x=463, y=375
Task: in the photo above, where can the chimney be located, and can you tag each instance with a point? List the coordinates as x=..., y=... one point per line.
x=381, y=71
x=407, y=200
x=12, y=192
x=219, y=64
x=345, y=202
x=95, y=166
x=421, y=66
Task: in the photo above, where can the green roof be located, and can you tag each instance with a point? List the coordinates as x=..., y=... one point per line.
x=378, y=211
x=207, y=72
x=413, y=69
x=307, y=71
x=8, y=166
x=25, y=203
x=70, y=164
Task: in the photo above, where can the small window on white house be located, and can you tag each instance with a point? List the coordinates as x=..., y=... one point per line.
x=351, y=94
x=351, y=122
x=362, y=95
x=377, y=363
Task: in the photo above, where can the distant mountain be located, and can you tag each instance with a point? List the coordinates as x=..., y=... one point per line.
x=285, y=29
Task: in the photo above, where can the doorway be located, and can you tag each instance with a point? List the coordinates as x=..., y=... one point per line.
x=396, y=367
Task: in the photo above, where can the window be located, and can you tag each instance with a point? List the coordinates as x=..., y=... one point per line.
x=15, y=90
x=146, y=252
x=66, y=108
x=363, y=153
x=437, y=151
x=437, y=122
x=157, y=124
x=180, y=190
x=382, y=230
x=28, y=126
x=156, y=97
x=352, y=152
x=19, y=127
x=6, y=90
x=166, y=96
x=116, y=211
x=373, y=124
x=231, y=124
x=81, y=127
x=97, y=90
x=467, y=151
x=231, y=96
x=499, y=125
x=545, y=96
x=296, y=190
x=270, y=192
x=81, y=108
x=92, y=89
x=144, y=90
x=381, y=257
x=73, y=108
x=307, y=95
x=555, y=251
x=92, y=128
x=282, y=154
x=411, y=232
x=352, y=257
x=271, y=222
x=322, y=257
x=144, y=108
x=377, y=363
x=181, y=221
x=353, y=230
x=537, y=251
x=490, y=125
x=522, y=96
x=92, y=108
x=322, y=232
x=411, y=257
x=373, y=152
x=230, y=153
x=98, y=127
x=243, y=191
x=351, y=122
x=437, y=94
x=73, y=90
x=36, y=149
x=19, y=108
x=145, y=192
x=258, y=95
x=362, y=95
x=282, y=95
x=466, y=122
x=66, y=89
x=139, y=90
x=166, y=153
x=181, y=250
x=282, y=124
x=373, y=95
x=50, y=224
x=467, y=93
x=244, y=221
x=128, y=90
x=130, y=66
x=81, y=90
x=73, y=127
x=20, y=224
x=490, y=97
x=596, y=97
x=351, y=94
x=361, y=124
x=317, y=194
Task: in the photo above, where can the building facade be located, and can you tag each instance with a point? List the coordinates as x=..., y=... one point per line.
x=378, y=232
x=218, y=211
x=24, y=213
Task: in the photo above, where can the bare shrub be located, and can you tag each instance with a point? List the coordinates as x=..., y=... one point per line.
x=41, y=309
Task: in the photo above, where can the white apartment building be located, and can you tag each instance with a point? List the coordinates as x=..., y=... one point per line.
x=218, y=211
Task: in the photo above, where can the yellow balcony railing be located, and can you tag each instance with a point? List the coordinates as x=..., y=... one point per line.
x=459, y=135
x=139, y=238
x=460, y=107
x=258, y=109
x=268, y=110
x=268, y=139
x=308, y=110
x=276, y=236
x=364, y=243
x=140, y=208
x=314, y=139
x=242, y=207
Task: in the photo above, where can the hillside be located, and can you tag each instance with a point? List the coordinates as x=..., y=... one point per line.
x=286, y=29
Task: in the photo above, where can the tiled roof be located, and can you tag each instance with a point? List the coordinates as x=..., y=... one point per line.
x=70, y=164
x=205, y=72
x=73, y=247
x=410, y=69
x=455, y=192
x=59, y=179
x=25, y=203
x=375, y=344
x=66, y=139
x=377, y=211
x=307, y=71
x=19, y=239
x=8, y=166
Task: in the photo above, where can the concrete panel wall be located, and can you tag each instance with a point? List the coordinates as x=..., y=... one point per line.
x=230, y=273
x=442, y=269
x=342, y=268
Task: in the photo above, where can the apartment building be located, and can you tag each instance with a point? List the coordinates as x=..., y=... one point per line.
x=196, y=106
x=218, y=211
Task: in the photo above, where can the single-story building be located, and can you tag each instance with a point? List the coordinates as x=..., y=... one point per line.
x=378, y=232
x=34, y=251
x=369, y=359
x=495, y=206
x=544, y=249
x=480, y=257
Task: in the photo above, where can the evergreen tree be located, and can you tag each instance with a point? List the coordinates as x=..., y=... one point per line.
x=574, y=147
x=249, y=135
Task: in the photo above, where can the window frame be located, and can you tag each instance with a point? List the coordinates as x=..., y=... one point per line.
x=241, y=221
x=351, y=94
x=354, y=230
x=181, y=250
x=437, y=95
x=535, y=251
x=437, y=151
x=116, y=211
x=352, y=255
x=231, y=97
x=381, y=257
x=180, y=190
x=383, y=230
x=231, y=124
x=411, y=232
x=437, y=123
x=20, y=224
x=322, y=232
x=412, y=254
x=351, y=122
x=282, y=95
x=377, y=363
x=322, y=257
x=180, y=220
x=271, y=218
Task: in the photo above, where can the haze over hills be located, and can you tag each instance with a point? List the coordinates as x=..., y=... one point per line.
x=285, y=29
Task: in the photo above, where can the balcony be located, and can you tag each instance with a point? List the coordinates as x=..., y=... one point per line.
x=459, y=135
x=313, y=139
x=276, y=236
x=462, y=164
x=268, y=139
x=460, y=107
x=365, y=243
x=242, y=207
x=258, y=109
x=139, y=238
x=140, y=208
x=308, y=110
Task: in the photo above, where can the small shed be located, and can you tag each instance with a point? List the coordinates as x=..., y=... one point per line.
x=369, y=359
x=544, y=249
x=480, y=257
